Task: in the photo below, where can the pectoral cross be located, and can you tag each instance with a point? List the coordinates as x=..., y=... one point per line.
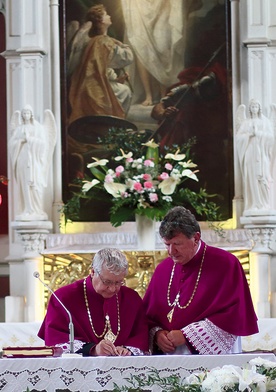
x=170, y=315
x=109, y=334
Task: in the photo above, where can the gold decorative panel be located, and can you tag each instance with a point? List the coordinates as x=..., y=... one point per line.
x=62, y=269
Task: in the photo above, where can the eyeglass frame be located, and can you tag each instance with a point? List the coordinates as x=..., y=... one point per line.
x=110, y=283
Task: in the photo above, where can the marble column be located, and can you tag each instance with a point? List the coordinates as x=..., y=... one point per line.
x=262, y=230
x=32, y=235
x=236, y=100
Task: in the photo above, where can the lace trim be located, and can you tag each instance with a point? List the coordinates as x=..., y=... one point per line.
x=136, y=351
x=207, y=338
x=66, y=346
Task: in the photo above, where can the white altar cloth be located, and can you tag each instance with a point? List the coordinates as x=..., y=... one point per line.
x=25, y=334
x=264, y=340
x=20, y=334
x=100, y=373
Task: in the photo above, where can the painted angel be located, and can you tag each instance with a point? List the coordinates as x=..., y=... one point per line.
x=31, y=147
x=95, y=64
x=255, y=145
x=78, y=38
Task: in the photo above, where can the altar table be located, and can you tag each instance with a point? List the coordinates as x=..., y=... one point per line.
x=86, y=374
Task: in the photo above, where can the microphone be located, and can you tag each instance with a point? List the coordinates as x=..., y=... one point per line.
x=36, y=274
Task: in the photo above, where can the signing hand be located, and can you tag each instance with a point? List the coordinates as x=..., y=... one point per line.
x=163, y=342
x=122, y=351
x=105, y=348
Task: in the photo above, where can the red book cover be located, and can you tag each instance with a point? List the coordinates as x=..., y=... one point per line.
x=29, y=352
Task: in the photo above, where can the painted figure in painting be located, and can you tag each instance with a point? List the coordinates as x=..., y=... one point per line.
x=155, y=31
x=31, y=147
x=95, y=88
x=198, y=104
x=255, y=141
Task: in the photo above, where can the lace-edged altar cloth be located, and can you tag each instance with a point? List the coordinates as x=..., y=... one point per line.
x=90, y=374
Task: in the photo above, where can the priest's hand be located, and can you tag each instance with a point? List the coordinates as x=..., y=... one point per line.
x=122, y=351
x=163, y=342
x=105, y=348
x=176, y=337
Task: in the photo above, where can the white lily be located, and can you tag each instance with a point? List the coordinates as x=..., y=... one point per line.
x=115, y=189
x=89, y=184
x=123, y=156
x=189, y=173
x=175, y=156
x=151, y=143
x=168, y=185
x=98, y=162
x=188, y=164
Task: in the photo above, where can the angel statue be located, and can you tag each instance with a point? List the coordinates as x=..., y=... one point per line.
x=31, y=147
x=255, y=144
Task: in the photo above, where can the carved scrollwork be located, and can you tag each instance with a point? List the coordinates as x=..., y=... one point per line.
x=60, y=270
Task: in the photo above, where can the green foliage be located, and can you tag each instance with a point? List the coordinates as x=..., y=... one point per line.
x=172, y=383
x=130, y=140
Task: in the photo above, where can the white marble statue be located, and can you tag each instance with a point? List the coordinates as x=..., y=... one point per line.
x=31, y=147
x=255, y=145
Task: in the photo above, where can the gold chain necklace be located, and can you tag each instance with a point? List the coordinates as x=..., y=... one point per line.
x=107, y=333
x=176, y=301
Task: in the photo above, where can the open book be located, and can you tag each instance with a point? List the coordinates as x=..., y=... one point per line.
x=40, y=351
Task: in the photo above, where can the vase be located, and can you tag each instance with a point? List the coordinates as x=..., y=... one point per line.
x=146, y=234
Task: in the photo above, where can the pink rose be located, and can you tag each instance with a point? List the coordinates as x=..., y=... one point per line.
x=137, y=186
x=163, y=176
x=119, y=169
x=153, y=197
x=148, y=184
x=108, y=179
x=146, y=177
x=129, y=160
x=168, y=166
x=149, y=163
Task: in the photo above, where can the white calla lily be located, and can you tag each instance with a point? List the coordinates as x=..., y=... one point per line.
x=89, y=184
x=115, y=189
x=175, y=156
x=188, y=164
x=168, y=186
x=189, y=173
x=123, y=156
x=151, y=143
x=98, y=162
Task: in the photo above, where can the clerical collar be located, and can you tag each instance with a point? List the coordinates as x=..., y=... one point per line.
x=199, y=245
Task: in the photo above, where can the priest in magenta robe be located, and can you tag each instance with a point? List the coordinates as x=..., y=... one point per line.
x=198, y=300
x=108, y=317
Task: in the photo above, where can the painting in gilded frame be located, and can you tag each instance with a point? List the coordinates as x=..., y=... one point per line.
x=173, y=43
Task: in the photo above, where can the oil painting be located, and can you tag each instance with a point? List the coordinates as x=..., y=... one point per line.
x=163, y=66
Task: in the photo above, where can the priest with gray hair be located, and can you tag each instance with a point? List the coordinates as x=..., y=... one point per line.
x=108, y=317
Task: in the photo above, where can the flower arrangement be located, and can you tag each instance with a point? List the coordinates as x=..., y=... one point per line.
x=258, y=376
x=144, y=182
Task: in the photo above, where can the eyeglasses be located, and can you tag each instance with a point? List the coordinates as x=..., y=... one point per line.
x=109, y=283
